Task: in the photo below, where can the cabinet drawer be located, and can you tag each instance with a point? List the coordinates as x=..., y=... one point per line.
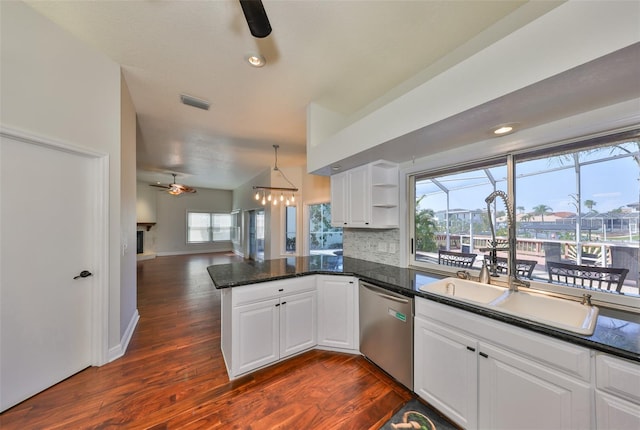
x=619, y=377
x=272, y=289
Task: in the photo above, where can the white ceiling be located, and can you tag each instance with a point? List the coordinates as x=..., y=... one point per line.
x=343, y=55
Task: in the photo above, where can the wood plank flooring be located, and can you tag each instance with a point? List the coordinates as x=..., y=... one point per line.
x=173, y=375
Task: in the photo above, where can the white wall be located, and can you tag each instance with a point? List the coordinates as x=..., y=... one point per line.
x=128, y=269
x=146, y=202
x=146, y=208
x=570, y=35
x=171, y=220
x=56, y=87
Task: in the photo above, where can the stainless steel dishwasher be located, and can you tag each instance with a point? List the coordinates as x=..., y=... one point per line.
x=386, y=331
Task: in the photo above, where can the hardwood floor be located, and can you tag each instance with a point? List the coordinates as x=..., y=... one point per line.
x=173, y=375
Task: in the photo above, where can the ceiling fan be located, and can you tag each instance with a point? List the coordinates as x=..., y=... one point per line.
x=175, y=189
x=256, y=18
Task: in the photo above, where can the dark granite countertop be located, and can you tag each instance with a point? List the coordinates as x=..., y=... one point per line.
x=617, y=332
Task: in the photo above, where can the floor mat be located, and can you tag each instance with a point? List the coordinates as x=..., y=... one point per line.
x=416, y=415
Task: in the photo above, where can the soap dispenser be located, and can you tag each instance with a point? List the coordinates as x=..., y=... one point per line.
x=484, y=277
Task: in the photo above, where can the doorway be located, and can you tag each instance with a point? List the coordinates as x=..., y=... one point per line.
x=53, y=263
x=256, y=234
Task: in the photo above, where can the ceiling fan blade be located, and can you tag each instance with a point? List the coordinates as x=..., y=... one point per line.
x=184, y=188
x=175, y=189
x=256, y=18
x=160, y=185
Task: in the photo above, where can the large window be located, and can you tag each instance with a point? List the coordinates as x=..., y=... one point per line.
x=576, y=204
x=205, y=227
x=450, y=211
x=323, y=238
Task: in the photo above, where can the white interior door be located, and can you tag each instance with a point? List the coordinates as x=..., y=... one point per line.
x=47, y=226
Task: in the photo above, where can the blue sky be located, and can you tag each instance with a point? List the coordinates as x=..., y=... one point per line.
x=611, y=184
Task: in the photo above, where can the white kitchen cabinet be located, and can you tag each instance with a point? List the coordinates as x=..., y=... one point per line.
x=339, y=202
x=266, y=322
x=446, y=371
x=515, y=392
x=366, y=196
x=350, y=198
x=297, y=323
x=483, y=373
x=337, y=312
x=617, y=393
x=258, y=332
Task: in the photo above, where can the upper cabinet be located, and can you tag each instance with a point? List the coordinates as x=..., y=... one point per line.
x=366, y=196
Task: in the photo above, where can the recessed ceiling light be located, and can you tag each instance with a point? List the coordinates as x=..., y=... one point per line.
x=503, y=129
x=336, y=167
x=255, y=60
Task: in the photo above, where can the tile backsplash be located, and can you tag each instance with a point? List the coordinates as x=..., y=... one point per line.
x=379, y=246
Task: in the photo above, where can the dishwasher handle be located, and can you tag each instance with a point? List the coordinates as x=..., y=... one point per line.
x=379, y=293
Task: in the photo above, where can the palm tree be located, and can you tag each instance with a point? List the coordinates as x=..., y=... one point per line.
x=520, y=209
x=425, y=225
x=541, y=210
x=590, y=204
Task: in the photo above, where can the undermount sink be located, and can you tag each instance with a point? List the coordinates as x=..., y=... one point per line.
x=462, y=289
x=551, y=311
x=536, y=307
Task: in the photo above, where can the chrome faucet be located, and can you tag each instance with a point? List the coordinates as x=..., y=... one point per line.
x=512, y=272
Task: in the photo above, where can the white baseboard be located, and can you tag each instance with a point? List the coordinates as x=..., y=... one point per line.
x=119, y=350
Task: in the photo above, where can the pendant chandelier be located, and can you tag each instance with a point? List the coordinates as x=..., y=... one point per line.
x=273, y=195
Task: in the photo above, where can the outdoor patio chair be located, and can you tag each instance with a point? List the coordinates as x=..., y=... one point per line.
x=458, y=259
x=606, y=278
x=523, y=267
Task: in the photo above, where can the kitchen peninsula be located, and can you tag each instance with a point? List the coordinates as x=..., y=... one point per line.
x=277, y=308
x=608, y=336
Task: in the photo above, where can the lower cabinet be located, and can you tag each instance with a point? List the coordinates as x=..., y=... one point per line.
x=258, y=336
x=269, y=321
x=516, y=392
x=617, y=393
x=337, y=312
x=266, y=322
x=273, y=329
x=446, y=371
x=481, y=384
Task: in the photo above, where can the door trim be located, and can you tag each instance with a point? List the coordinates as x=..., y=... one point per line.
x=100, y=285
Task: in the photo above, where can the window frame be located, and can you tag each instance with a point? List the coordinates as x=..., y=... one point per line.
x=285, y=231
x=617, y=300
x=211, y=230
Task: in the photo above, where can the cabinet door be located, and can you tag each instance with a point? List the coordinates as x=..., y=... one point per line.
x=614, y=413
x=297, y=323
x=339, y=201
x=446, y=371
x=516, y=393
x=255, y=336
x=337, y=314
x=359, y=197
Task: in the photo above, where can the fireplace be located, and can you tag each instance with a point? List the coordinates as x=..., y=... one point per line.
x=140, y=242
